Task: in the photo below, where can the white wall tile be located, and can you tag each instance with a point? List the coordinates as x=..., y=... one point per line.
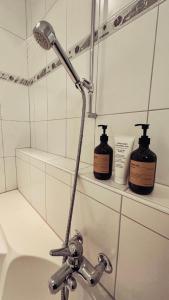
x=159, y=143
x=39, y=135
x=102, y=195
x=36, y=57
x=160, y=87
x=12, y=16
x=57, y=17
x=38, y=100
x=49, y=4
x=13, y=61
x=142, y=265
x=57, y=205
x=37, y=163
x=1, y=145
x=23, y=178
x=120, y=124
x=94, y=292
x=10, y=173
x=109, y=8
x=33, y=135
x=95, y=222
x=15, y=135
x=56, y=85
x=2, y=176
x=59, y=174
x=73, y=128
x=37, y=10
x=57, y=137
x=28, y=19
x=37, y=190
x=14, y=101
x=125, y=61
x=79, y=24
x=158, y=222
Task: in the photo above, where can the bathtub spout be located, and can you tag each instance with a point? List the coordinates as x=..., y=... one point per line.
x=60, y=278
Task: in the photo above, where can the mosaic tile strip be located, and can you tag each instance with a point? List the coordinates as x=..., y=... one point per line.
x=14, y=79
x=125, y=16
x=115, y=23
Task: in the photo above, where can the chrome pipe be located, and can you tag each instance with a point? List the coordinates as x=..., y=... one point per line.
x=91, y=68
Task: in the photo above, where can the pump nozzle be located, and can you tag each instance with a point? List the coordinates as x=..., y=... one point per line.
x=104, y=137
x=144, y=127
x=144, y=140
x=104, y=127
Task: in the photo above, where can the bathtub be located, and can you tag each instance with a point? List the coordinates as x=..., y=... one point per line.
x=25, y=264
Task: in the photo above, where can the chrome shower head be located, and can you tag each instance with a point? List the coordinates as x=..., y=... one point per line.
x=45, y=36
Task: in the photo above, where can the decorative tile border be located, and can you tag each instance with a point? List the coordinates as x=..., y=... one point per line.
x=126, y=16
x=115, y=23
x=14, y=78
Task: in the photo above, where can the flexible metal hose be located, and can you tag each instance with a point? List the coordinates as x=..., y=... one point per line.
x=65, y=292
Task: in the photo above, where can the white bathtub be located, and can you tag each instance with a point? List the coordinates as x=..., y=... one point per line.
x=25, y=265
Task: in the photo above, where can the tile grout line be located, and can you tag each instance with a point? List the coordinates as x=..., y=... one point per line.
x=15, y=173
x=13, y=33
x=26, y=16
x=153, y=63
x=45, y=195
x=3, y=148
x=148, y=228
x=101, y=115
x=97, y=201
x=144, y=204
x=118, y=246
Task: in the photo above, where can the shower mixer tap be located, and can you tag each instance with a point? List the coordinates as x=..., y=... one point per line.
x=77, y=264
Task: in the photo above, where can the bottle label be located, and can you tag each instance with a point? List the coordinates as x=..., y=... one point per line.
x=101, y=163
x=142, y=173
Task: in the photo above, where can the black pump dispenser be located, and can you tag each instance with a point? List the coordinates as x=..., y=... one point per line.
x=103, y=137
x=142, y=165
x=103, y=157
x=144, y=140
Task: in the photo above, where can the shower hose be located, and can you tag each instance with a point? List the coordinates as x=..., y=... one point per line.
x=65, y=291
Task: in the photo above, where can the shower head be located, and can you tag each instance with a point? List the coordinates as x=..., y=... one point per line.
x=45, y=36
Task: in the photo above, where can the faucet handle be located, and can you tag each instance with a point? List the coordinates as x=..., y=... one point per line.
x=74, y=249
x=60, y=252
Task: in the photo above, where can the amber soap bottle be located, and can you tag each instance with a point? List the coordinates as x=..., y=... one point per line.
x=142, y=165
x=103, y=157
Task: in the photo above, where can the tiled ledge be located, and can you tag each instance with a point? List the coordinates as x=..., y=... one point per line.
x=158, y=200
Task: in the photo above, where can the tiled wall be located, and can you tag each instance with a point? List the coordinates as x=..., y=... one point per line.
x=132, y=230
x=14, y=102
x=130, y=76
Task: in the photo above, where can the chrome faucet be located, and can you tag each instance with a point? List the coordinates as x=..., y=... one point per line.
x=76, y=263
